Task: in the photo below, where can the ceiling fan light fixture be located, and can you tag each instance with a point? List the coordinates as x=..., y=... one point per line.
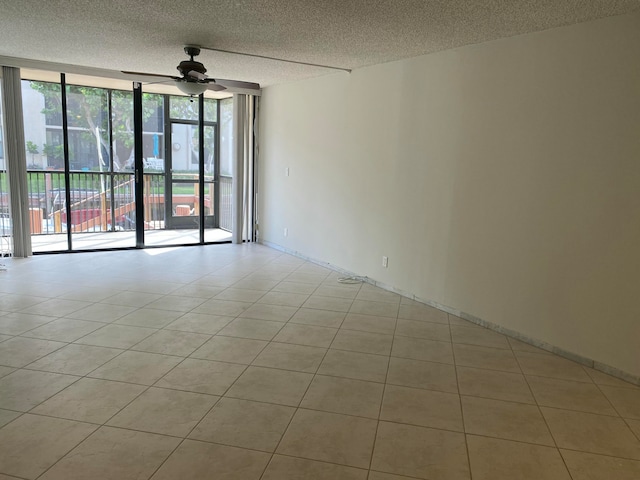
x=191, y=88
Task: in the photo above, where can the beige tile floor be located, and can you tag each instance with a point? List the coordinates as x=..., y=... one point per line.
x=240, y=362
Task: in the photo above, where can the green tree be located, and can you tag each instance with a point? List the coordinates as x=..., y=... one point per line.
x=87, y=110
x=32, y=149
x=54, y=153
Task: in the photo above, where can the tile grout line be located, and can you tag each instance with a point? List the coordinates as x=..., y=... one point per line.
x=182, y=441
x=301, y=398
x=464, y=427
x=220, y=397
x=555, y=443
x=299, y=403
x=314, y=376
x=384, y=391
x=104, y=424
x=68, y=452
x=598, y=386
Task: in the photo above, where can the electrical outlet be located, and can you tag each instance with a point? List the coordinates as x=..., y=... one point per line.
x=286, y=231
x=286, y=172
x=385, y=262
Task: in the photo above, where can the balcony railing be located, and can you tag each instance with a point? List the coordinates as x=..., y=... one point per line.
x=98, y=201
x=226, y=210
x=103, y=201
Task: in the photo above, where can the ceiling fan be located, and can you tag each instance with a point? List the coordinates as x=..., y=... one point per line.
x=194, y=80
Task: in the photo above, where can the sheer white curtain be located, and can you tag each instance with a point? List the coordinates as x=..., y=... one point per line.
x=244, y=132
x=15, y=157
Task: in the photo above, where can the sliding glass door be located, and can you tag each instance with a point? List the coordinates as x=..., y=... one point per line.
x=45, y=164
x=90, y=187
x=101, y=182
x=190, y=173
x=183, y=180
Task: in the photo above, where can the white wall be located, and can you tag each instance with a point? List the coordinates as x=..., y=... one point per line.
x=500, y=179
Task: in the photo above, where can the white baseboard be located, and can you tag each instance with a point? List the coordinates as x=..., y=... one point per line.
x=609, y=370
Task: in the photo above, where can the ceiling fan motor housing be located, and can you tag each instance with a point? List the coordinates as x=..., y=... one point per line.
x=187, y=66
x=190, y=65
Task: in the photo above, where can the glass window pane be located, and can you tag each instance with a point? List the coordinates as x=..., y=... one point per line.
x=124, y=203
x=183, y=108
x=122, y=131
x=42, y=115
x=184, y=151
x=88, y=118
x=42, y=107
x=209, y=196
x=185, y=199
x=209, y=153
x=226, y=163
x=48, y=190
x=89, y=196
x=226, y=136
x=153, y=132
x=210, y=110
x=154, y=202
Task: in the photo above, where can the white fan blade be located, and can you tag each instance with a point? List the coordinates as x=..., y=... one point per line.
x=215, y=87
x=197, y=75
x=238, y=84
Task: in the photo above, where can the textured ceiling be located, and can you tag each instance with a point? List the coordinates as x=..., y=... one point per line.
x=147, y=35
